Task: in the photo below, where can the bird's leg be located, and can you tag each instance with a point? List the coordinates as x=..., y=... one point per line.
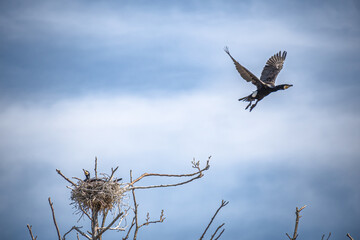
x=248, y=105
x=252, y=107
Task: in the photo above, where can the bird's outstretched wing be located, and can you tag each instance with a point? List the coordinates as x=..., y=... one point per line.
x=244, y=73
x=272, y=68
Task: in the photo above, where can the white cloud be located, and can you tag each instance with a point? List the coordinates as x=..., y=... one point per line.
x=150, y=131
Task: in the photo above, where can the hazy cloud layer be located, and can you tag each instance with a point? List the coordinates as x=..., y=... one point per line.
x=148, y=87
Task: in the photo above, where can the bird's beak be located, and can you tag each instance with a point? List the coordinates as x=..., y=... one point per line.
x=287, y=86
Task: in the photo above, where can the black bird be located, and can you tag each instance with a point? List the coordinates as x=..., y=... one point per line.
x=266, y=84
x=88, y=179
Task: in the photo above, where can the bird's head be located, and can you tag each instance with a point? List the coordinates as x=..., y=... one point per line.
x=87, y=174
x=286, y=86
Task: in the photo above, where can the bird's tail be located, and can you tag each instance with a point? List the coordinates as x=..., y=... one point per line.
x=246, y=99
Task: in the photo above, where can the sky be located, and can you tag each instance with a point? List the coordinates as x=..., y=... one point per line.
x=146, y=86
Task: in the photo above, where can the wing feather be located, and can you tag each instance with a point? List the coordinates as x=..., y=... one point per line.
x=272, y=68
x=244, y=73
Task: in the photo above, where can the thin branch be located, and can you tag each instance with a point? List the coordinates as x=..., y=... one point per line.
x=220, y=234
x=53, y=214
x=78, y=231
x=322, y=238
x=30, y=231
x=197, y=175
x=112, y=172
x=135, y=210
x=161, y=219
x=104, y=218
x=195, y=165
x=295, y=235
x=82, y=209
x=112, y=222
x=59, y=172
x=348, y=235
x=131, y=226
x=95, y=169
x=223, y=204
x=218, y=228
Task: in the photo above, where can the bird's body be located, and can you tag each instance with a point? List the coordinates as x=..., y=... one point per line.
x=266, y=84
x=88, y=179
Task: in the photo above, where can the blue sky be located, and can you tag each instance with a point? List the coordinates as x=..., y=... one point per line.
x=148, y=87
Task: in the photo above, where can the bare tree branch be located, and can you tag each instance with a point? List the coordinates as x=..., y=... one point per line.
x=131, y=226
x=295, y=235
x=95, y=169
x=220, y=234
x=112, y=172
x=217, y=229
x=348, y=235
x=78, y=231
x=322, y=238
x=197, y=174
x=112, y=223
x=223, y=204
x=84, y=212
x=147, y=222
x=53, y=214
x=60, y=173
x=30, y=231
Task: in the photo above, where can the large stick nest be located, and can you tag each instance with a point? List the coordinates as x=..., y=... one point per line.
x=98, y=194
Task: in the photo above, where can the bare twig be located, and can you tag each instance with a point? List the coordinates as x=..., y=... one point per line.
x=95, y=169
x=295, y=235
x=223, y=204
x=322, y=238
x=53, y=214
x=348, y=235
x=105, y=213
x=78, y=231
x=147, y=222
x=112, y=172
x=195, y=175
x=30, y=231
x=131, y=226
x=220, y=234
x=135, y=210
x=110, y=224
x=60, y=173
x=84, y=212
x=217, y=229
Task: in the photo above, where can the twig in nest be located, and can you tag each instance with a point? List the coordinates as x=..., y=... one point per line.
x=295, y=235
x=223, y=204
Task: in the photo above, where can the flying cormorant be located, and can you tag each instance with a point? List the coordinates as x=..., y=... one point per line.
x=266, y=84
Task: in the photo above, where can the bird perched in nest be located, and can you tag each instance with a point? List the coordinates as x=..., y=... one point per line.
x=88, y=179
x=266, y=84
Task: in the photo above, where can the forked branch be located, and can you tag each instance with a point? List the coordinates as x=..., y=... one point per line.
x=295, y=235
x=30, y=231
x=223, y=204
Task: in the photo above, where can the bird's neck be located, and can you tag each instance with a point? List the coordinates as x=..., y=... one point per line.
x=279, y=87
